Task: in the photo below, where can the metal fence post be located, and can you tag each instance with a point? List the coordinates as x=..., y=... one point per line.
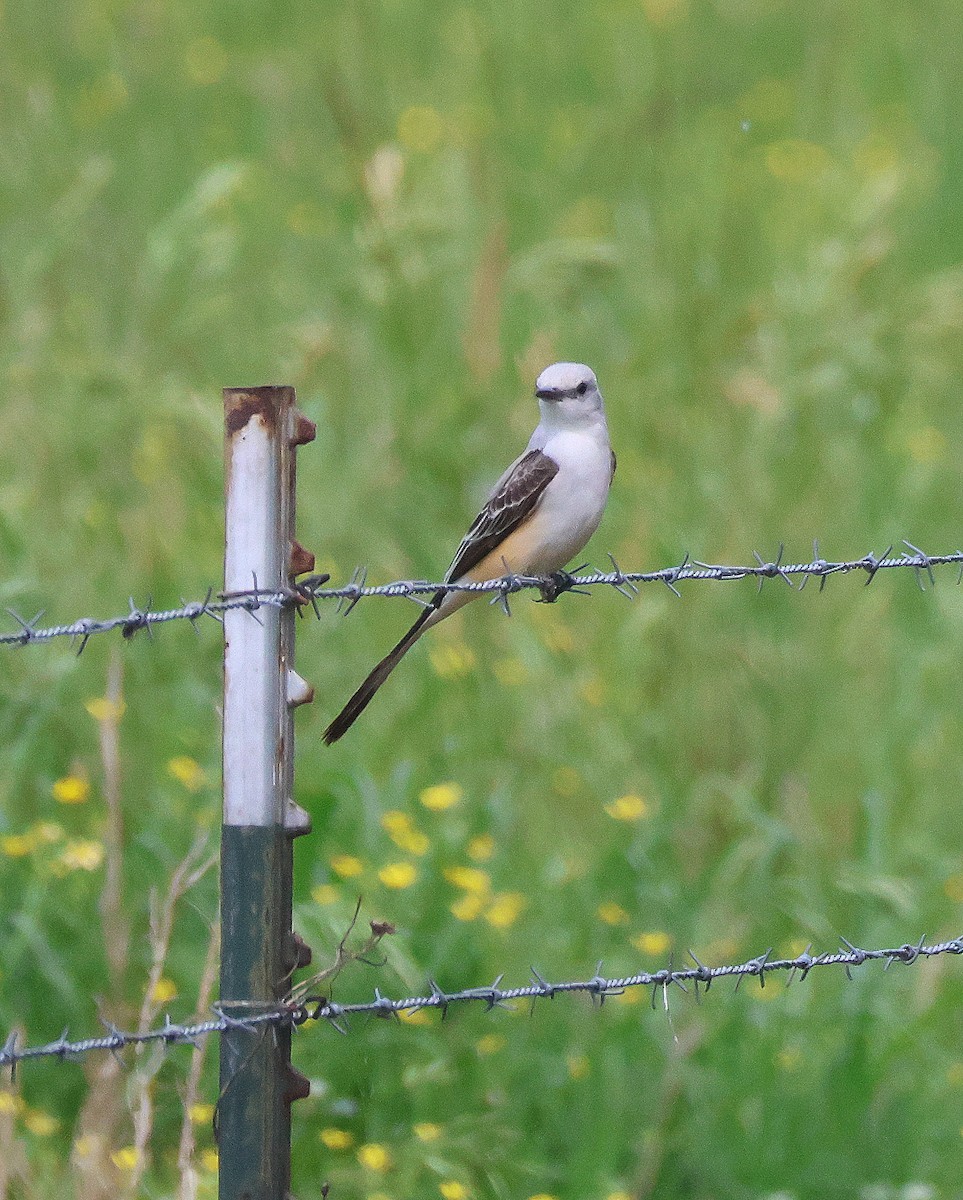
x=258, y=949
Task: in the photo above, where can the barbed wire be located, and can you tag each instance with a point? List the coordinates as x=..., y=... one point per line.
x=312, y=590
x=600, y=988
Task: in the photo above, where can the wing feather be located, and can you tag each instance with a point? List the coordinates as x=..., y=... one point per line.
x=510, y=503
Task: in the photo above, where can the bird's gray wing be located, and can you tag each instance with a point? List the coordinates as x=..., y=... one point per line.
x=513, y=499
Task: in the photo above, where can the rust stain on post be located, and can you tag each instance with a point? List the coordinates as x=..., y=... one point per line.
x=304, y=430
x=241, y=404
x=300, y=561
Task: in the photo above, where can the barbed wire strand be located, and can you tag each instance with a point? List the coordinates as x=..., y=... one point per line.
x=312, y=590
x=600, y=988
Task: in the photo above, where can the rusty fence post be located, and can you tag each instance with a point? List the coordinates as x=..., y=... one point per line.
x=259, y=951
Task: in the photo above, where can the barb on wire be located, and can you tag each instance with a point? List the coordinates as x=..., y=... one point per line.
x=298, y=1011
x=311, y=590
x=145, y=618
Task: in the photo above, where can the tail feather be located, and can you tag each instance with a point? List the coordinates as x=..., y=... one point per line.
x=363, y=696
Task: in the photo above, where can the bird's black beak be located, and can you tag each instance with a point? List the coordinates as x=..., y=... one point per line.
x=549, y=393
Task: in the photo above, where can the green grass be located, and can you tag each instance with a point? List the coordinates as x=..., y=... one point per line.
x=745, y=215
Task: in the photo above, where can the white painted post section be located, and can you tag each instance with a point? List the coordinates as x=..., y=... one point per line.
x=253, y=557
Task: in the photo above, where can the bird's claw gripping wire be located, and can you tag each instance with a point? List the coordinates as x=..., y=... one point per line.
x=559, y=582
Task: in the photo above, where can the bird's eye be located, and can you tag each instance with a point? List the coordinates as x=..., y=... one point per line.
x=582, y=388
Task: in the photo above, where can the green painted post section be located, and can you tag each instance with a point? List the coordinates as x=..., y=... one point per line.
x=254, y=1115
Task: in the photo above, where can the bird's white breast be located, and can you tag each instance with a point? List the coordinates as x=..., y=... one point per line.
x=572, y=505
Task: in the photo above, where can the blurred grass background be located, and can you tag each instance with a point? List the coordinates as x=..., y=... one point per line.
x=745, y=215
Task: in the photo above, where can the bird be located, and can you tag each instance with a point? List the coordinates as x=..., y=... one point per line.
x=540, y=513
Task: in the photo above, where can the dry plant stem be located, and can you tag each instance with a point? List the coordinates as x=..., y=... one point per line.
x=13, y=1164
x=651, y=1154
x=343, y=956
x=187, y=1187
x=116, y=927
x=104, y=1108
x=188, y=872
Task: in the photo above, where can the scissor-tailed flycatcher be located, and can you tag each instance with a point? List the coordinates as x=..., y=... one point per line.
x=540, y=514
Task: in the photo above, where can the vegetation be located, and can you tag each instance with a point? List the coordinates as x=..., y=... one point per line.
x=744, y=214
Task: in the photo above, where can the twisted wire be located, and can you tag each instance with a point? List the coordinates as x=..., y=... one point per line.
x=313, y=590
x=298, y=1012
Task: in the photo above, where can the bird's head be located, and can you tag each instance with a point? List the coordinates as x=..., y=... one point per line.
x=568, y=394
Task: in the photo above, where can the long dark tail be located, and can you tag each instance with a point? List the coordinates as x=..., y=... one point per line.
x=362, y=697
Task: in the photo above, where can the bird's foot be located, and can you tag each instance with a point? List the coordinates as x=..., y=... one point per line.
x=557, y=583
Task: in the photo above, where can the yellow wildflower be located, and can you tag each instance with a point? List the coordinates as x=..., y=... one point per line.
x=414, y=842
x=104, y=710
x=953, y=888
x=491, y=1043
x=188, y=772
x=324, y=893
x=651, y=941
x=17, y=845
x=469, y=879
x=71, y=789
x=481, y=848
x=40, y=1123
x=427, y=1131
x=82, y=855
x=403, y=833
x=612, y=913
x=209, y=1159
x=415, y=1016
x=578, y=1065
x=337, y=1139
x=346, y=865
x=468, y=907
x=163, y=991
x=374, y=1156
x=125, y=1159
x=628, y=808
x=505, y=909
x=398, y=875
x=451, y=661
x=440, y=796
x=451, y=1189
x=201, y=1114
